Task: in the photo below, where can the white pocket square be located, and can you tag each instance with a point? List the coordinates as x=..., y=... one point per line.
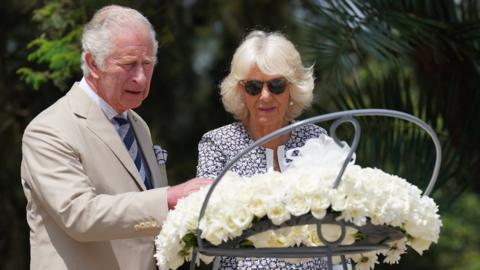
x=161, y=154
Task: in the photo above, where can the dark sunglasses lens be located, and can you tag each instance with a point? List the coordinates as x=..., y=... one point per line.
x=253, y=87
x=277, y=86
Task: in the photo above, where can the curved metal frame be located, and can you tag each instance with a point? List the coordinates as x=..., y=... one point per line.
x=331, y=248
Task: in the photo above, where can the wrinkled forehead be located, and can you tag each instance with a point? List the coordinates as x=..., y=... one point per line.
x=133, y=56
x=132, y=42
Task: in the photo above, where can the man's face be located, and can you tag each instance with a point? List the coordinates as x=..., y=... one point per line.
x=124, y=81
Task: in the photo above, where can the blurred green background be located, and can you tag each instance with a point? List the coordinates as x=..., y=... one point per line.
x=421, y=57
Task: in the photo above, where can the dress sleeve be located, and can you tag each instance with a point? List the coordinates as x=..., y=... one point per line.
x=317, y=131
x=211, y=158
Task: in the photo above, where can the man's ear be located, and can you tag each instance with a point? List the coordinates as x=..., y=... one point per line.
x=92, y=65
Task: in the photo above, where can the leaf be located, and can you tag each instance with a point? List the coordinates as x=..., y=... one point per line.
x=34, y=78
x=245, y=243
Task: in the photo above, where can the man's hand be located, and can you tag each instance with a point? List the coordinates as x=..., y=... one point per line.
x=174, y=193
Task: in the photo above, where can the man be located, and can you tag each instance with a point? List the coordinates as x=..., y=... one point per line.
x=96, y=195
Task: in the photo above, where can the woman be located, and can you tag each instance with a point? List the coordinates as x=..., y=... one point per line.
x=267, y=87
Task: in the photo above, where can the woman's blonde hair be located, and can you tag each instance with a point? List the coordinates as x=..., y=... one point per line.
x=273, y=54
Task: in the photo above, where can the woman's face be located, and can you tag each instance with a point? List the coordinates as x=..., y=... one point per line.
x=265, y=108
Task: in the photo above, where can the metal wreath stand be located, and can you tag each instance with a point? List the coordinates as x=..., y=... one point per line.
x=376, y=237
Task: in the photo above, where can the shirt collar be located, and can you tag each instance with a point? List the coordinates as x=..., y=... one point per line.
x=106, y=108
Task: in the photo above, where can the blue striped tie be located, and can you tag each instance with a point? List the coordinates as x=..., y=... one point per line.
x=128, y=137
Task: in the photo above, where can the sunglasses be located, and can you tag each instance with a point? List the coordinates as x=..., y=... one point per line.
x=254, y=87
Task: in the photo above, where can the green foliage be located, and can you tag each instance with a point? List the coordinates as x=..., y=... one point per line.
x=57, y=50
x=389, y=54
x=190, y=242
x=420, y=57
x=62, y=57
x=459, y=241
x=245, y=243
x=56, y=17
x=33, y=78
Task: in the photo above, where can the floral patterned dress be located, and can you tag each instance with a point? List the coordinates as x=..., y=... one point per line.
x=219, y=146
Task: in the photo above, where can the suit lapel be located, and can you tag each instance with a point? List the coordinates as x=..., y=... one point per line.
x=98, y=124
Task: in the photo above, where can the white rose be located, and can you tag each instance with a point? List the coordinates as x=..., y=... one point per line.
x=242, y=218
x=297, y=203
x=232, y=229
x=331, y=232
x=296, y=234
x=338, y=200
x=215, y=233
x=260, y=240
x=256, y=206
x=269, y=238
x=312, y=239
x=276, y=212
x=320, y=203
x=236, y=219
x=355, y=210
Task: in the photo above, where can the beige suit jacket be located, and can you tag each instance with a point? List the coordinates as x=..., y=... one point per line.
x=87, y=204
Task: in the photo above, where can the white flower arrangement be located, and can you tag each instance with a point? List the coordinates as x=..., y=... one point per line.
x=364, y=195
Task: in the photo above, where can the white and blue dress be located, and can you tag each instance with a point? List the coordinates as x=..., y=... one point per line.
x=219, y=146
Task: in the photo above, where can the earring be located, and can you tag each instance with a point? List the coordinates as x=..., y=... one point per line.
x=291, y=103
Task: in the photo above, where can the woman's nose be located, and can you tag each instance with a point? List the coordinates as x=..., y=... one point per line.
x=265, y=93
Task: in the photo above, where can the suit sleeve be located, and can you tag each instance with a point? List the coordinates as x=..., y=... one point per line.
x=58, y=183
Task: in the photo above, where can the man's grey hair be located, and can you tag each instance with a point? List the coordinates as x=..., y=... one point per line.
x=107, y=22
